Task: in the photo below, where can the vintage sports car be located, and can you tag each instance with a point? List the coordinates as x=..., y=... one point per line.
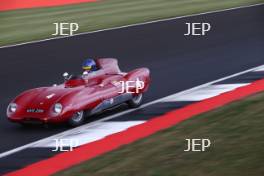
x=81, y=96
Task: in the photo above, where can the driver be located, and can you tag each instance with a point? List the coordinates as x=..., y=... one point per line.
x=89, y=65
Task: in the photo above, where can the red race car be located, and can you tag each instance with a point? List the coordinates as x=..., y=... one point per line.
x=81, y=96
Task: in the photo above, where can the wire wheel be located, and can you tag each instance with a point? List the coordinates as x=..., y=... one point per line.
x=77, y=118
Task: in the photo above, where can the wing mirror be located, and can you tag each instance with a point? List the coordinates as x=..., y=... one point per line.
x=66, y=75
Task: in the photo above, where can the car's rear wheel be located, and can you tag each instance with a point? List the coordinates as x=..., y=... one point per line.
x=77, y=119
x=136, y=101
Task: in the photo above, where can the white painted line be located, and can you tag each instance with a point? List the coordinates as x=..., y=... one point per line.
x=259, y=69
x=88, y=134
x=71, y=131
x=133, y=25
x=204, y=93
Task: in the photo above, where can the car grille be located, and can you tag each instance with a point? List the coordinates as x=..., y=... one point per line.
x=32, y=121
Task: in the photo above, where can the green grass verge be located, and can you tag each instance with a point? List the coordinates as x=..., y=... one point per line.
x=34, y=24
x=236, y=133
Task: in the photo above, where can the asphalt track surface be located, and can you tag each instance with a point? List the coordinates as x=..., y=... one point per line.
x=177, y=62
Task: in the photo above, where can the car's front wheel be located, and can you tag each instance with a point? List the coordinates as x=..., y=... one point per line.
x=77, y=119
x=136, y=101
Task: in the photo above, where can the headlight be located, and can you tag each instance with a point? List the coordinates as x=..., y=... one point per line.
x=57, y=108
x=12, y=107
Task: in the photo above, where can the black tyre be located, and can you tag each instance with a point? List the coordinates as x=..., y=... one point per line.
x=77, y=119
x=136, y=101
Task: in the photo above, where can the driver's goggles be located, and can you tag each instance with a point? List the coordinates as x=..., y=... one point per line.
x=87, y=68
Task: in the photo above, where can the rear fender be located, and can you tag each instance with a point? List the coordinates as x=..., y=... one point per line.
x=141, y=74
